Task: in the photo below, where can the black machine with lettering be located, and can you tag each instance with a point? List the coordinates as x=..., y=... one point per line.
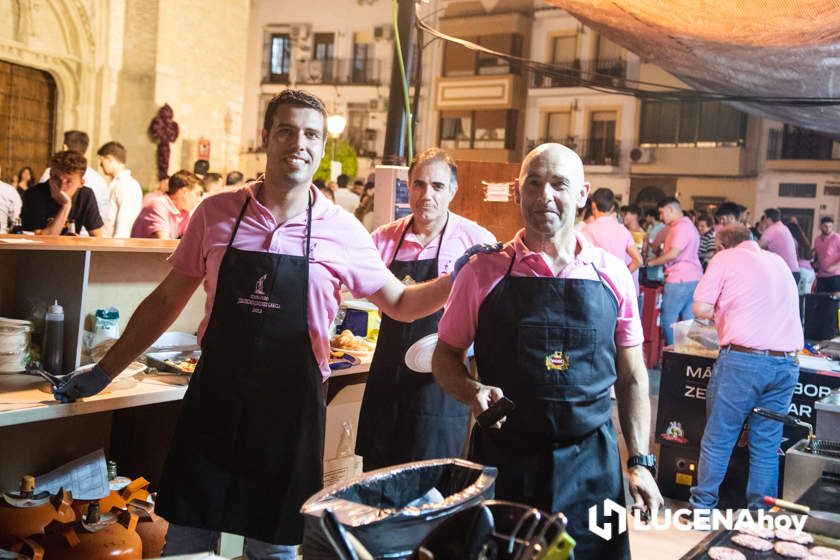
x=681, y=419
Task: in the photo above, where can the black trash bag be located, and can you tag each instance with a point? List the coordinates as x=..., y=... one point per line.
x=391, y=510
x=495, y=529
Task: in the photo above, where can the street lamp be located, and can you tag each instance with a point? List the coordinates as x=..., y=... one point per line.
x=335, y=126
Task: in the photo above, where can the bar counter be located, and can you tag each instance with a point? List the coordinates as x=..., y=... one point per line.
x=134, y=425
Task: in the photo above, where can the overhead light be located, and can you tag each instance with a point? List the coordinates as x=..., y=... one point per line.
x=336, y=124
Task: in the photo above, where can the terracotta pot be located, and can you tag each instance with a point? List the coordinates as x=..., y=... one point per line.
x=113, y=537
x=21, y=517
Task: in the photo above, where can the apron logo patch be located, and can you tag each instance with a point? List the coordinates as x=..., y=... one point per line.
x=408, y=280
x=259, y=288
x=557, y=361
x=258, y=300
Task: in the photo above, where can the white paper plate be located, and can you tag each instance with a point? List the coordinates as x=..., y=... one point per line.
x=419, y=355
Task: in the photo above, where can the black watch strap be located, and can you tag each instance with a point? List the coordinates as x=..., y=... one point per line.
x=647, y=461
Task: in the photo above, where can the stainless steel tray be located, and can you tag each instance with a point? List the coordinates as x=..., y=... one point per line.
x=158, y=360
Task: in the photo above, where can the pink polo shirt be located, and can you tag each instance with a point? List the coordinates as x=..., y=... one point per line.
x=778, y=239
x=686, y=267
x=756, y=300
x=341, y=252
x=827, y=249
x=606, y=233
x=159, y=214
x=479, y=276
x=460, y=234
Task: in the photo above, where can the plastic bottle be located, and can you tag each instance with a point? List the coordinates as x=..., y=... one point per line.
x=54, y=339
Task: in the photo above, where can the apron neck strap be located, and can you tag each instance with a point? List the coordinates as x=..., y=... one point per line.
x=405, y=230
x=308, y=224
x=238, y=220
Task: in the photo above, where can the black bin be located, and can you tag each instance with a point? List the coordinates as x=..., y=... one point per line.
x=819, y=316
x=381, y=509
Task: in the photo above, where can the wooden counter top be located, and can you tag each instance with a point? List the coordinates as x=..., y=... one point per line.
x=22, y=400
x=100, y=244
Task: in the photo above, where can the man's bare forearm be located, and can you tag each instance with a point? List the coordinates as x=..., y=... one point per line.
x=452, y=374
x=57, y=225
x=631, y=391
x=409, y=303
x=151, y=319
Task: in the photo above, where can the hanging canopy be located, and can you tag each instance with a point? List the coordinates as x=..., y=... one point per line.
x=783, y=51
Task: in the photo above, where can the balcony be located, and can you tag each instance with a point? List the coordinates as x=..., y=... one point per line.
x=593, y=151
x=571, y=73
x=339, y=71
x=797, y=149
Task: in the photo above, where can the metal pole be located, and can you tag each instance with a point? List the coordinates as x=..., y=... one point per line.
x=394, y=151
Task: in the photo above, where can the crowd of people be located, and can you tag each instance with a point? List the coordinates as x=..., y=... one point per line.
x=565, y=288
x=72, y=198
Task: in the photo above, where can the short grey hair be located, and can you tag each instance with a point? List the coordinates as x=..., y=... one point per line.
x=733, y=235
x=436, y=154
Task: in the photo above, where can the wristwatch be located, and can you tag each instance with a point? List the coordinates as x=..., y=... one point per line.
x=647, y=461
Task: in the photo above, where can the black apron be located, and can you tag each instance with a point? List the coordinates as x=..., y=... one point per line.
x=248, y=448
x=405, y=415
x=548, y=344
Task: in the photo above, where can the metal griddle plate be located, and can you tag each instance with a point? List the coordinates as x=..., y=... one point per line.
x=723, y=538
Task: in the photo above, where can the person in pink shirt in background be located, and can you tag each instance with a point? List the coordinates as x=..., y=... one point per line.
x=608, y=234
x=405, y=415
x=777, y=238
x=556, y=325
x=167, y=216
x=755, y=305
x=682, y=265
x=827, y=257
x=272, y=258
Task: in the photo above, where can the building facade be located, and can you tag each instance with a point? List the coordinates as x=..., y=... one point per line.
x=340, y=52
x=106, y=67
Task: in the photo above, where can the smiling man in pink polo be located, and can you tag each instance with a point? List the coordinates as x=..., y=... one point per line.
x=682, y=265
x=405, y=415
x=272, y=258
x=555, y=325
x=755, y=305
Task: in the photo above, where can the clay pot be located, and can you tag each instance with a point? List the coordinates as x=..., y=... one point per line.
x=21, y=518
x=113, y=537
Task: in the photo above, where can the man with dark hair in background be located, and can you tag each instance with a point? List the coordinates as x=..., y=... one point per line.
x=234, y=180
x=62, y=205
x=608, y=234
x=167, y=216
x=126, y=197
x=213, y=183
x=78, y=141
x=682, y=265
x=777, y=238
x=827, y=257
x=344, y=197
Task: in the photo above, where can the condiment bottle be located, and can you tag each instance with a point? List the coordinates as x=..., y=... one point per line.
x=54, y=339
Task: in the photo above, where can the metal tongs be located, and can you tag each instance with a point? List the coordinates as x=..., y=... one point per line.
x=53, y=380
